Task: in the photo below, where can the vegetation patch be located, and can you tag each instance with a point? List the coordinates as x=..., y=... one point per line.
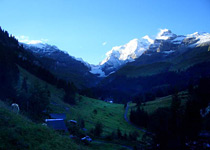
x=18, y=132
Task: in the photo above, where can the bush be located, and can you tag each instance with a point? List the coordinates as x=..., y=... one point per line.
x=133, y=135
x=75, y=130
x=81, y=123
x=111, y=136
x=97, y=131
x=139, y=117
x=119, y=134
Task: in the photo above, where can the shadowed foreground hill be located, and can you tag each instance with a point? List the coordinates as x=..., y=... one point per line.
x=17, y=132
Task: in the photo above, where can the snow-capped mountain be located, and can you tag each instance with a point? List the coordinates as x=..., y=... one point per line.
x=62, y=64
x=96, y=69
x=167, y=62
x=129, y=51
x=165, y=34
x=168, y=42
x=120, y=55
x=41, y=48
x=46, y=50
x=199, y=38
x=165, y=42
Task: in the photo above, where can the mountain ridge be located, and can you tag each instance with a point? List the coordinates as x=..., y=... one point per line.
x=63, y=65
x=118, y=56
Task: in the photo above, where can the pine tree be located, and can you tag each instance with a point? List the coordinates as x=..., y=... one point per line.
x=119, y=134
x=176, y=102
x=98, y=129
x=24, y=85
x=38, y=100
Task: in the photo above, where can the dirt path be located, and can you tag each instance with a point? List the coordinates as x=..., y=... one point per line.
x=128, y=121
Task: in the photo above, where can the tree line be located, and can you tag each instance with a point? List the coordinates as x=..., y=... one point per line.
x=179, y=125
x=33, y=99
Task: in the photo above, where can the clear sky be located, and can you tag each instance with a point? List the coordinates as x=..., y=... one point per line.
x=89, y=28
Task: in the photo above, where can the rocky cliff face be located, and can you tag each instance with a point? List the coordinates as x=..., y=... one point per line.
x=164, y=45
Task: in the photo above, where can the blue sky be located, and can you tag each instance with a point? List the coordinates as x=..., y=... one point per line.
x=89, y=28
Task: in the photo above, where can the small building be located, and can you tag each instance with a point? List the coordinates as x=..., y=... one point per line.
x=58, y=116
x=109, y=100
x=56, y=124
x=73, y=122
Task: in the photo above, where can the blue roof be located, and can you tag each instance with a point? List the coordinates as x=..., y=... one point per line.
x=58, y=116
x=205, y=134
x=56, y=124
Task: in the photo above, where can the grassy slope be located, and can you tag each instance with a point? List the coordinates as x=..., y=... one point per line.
x=56, y=94
x=110, y=115
x=17, y=132
x=144, y=70
x=182, y=62
x=187, y=63
x=151, y=106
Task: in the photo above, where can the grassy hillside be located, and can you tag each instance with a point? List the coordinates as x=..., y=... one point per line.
x=18, y=132
x=91, y=110
x=180, y=62
x=184, y=63
x=162, y=102
x=144, y=70
x=110, y=115
x=55, y=93
x=159, y=67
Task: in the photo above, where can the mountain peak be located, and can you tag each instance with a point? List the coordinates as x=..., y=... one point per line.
x=128, y=51
x=146, y=37
x=120, y=55
x=39, y=45
x=197, y=34
x=165, y=34
x=200, y=37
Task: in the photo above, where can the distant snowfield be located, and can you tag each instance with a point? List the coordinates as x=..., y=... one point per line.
x=97, y=70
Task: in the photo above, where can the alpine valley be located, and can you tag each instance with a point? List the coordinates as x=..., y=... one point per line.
x=148, y=94
x=145, y=65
